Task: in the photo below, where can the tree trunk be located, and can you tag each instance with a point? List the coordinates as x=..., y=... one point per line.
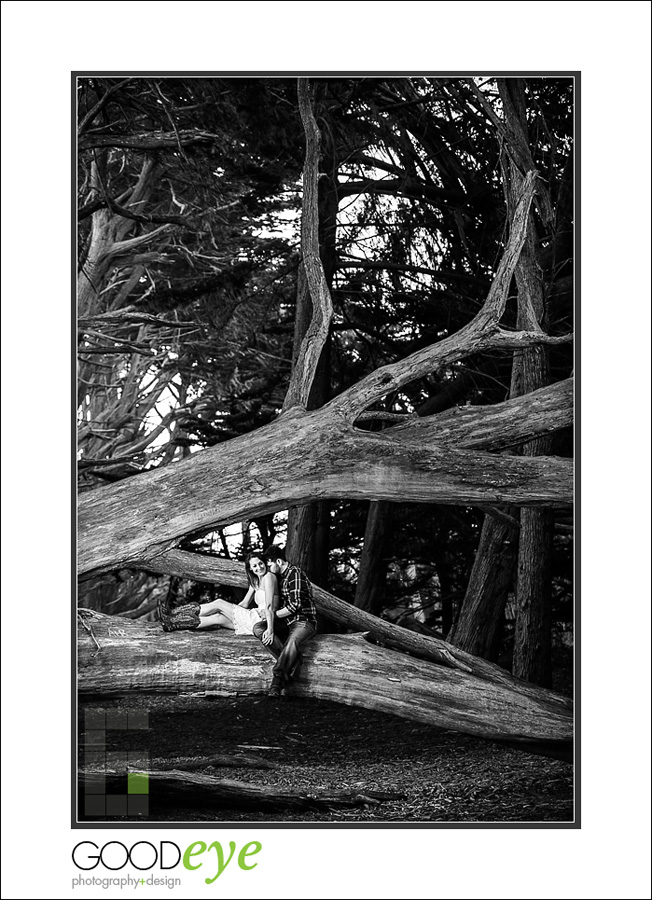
x=497, y=553
x=478, y=626
x=370, y=588
x=533, y=627
x=301, y=542
x=446, y=597
x=308, y=540
x=346, y=669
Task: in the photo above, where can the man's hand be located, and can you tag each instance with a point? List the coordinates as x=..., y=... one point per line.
x=268, y=636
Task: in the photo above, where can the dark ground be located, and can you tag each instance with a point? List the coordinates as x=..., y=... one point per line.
x=444, y=776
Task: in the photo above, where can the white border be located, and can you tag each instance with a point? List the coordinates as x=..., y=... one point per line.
x=609, y=43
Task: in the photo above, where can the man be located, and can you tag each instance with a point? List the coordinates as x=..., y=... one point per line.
x=294, y=623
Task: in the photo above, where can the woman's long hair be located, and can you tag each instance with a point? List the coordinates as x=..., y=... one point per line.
x=253, y=580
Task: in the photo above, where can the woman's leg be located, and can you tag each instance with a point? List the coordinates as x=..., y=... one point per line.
x=214, y=620
x=217, y=606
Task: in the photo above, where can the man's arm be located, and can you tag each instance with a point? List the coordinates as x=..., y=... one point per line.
x=292, y=592
x=271, y=601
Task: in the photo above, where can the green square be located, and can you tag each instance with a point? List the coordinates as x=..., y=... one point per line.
x=137, y=783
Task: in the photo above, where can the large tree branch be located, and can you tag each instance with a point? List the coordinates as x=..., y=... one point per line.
x=494, y=427
x=121, y=247
x=298, y=458
x=147, y=140
x=143, y=217
x=476, y=336
x=516, y=340
x=124, y=317
x=406, y=187
x=101, y=103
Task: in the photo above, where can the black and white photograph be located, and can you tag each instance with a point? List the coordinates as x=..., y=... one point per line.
x=325, y=409
x=326, y=438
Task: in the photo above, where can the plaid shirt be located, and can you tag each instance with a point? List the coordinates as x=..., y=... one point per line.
x=296, y=593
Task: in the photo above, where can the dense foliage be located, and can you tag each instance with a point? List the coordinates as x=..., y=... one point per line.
x=189, y=197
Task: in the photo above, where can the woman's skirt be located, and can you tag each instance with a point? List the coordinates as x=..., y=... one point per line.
x=245, y=619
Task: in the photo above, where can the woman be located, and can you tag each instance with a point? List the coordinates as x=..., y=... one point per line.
x=263, y=589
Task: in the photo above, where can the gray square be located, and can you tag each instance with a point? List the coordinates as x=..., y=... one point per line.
x=116, y=761
x=116, y=804
x=138, y=759
x=95, y=805
x=95, y=760
x=94, y=738
x=138, y=719
x=116, y=719
x=95, y=784
x=94, y=719
x=138, y=805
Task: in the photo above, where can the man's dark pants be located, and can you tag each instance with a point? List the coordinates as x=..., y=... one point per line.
x=286, y=644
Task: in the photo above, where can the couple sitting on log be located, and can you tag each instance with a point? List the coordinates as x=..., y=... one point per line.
x=281, y=628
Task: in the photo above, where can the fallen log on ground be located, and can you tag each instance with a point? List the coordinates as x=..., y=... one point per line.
x=214, y=570
x=209, y=792
x=220, y=760
x=119, y=656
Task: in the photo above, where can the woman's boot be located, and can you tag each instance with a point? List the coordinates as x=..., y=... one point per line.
x=182, y=618
x=163, y=608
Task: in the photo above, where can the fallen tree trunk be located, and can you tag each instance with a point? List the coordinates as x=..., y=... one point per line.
x=298, y=458
x=223, y=571
x=121, y=656
x=215, y=761
x=219, y=760
x=208, y=792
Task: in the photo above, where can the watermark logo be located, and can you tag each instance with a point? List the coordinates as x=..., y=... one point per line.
x=143, y=856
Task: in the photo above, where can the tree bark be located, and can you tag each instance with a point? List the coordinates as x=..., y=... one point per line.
x=533, y=626
x=346, y=669
x=477, y=630
x=147, y=141
x=500, y=426
x=370, y=587
x=289, y=462
x=308, y=540
x=216, y=761
x=498, y=552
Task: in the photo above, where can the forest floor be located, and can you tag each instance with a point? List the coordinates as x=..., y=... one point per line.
x=441, y=775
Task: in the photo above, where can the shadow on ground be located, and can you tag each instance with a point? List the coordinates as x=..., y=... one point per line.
x=444, y=776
